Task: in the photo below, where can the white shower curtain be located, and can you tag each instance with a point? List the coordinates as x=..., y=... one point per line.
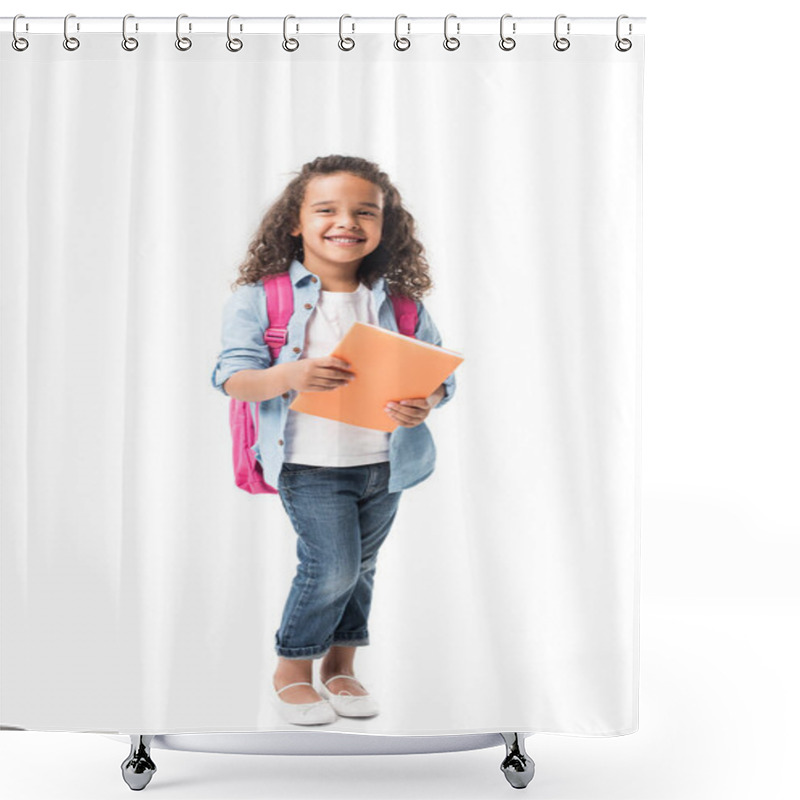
x=141, y=589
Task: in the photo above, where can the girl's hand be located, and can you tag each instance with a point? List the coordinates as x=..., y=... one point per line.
x=318, y=374
x=410, y=413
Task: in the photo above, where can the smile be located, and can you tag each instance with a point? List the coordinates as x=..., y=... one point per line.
x=344, y=240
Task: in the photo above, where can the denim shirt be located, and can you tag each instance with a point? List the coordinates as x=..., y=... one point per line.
x=412, y=453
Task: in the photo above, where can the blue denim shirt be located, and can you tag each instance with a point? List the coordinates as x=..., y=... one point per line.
x=412, y=453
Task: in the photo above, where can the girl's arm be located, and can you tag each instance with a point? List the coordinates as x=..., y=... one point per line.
x=256, y=385
x=244, y=355
x=428, y=332
x=244, y=368
x=320, y=374
x=437, y=396
x=414, y=411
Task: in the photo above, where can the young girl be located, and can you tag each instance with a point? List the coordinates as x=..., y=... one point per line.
x=340, y=230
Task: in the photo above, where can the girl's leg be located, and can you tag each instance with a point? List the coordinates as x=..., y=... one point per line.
x=322, y=505
x=377, y=510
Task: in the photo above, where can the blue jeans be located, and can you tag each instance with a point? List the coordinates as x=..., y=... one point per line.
x=342, y=516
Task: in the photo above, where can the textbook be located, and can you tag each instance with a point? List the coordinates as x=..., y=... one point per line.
x=388, y=366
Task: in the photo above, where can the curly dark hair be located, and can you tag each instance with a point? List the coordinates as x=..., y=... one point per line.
x=399, y=257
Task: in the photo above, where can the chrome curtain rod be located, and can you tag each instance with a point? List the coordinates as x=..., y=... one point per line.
x=326, y=25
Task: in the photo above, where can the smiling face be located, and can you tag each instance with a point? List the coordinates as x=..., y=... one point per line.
x=341, y=218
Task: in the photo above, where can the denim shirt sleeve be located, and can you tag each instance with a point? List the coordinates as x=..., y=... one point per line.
x=244, y=320
x=428, y=332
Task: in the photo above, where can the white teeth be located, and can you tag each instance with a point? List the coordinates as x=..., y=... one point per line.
x=342, y=239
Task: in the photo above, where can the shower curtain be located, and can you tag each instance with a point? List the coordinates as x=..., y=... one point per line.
x=142, y=589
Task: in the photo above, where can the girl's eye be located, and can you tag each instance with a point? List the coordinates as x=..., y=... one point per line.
x=326, y=210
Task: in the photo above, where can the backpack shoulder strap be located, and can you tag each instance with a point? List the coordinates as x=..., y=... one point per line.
x=406, y=314
x=280, y=305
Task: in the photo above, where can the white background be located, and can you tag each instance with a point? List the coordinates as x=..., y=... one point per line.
x=721, y=436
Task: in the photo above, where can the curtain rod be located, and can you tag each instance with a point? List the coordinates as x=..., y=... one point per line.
x=327, y=25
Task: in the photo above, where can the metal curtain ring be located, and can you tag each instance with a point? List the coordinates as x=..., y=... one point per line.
x=70, y=42
x=289, y=45
x=560, y=40
x=506, y=42
x=451, y=42
x=623, y=45
x=401, y=43
x=128, y=42
x=234, y=45
x=181, y=42
x=18, y=42
x=346, y=43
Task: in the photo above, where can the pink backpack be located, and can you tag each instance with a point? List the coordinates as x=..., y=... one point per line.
x=244, y=415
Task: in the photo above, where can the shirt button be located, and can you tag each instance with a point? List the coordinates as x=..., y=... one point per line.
x=286, y=395
x=296, y=350
x=280, y=442
x=308, y=305
x=313, y=279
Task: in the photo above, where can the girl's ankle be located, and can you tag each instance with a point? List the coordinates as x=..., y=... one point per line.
x=287, y=677
x=325, y=671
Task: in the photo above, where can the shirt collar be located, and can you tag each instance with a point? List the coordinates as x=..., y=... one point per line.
x=297, y=272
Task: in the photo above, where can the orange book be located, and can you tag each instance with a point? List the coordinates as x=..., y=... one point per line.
x=388, y=366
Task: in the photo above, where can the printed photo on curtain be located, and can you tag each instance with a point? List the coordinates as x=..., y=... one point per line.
x=336, y=254
x=321, y=384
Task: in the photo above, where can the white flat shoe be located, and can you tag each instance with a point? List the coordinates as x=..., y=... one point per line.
x=350, y=705
x=305, y=713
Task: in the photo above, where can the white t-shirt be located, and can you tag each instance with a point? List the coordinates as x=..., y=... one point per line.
x=327, y=442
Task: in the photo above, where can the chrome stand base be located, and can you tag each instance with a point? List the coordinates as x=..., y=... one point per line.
x=138, y=768
x=517, y=766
